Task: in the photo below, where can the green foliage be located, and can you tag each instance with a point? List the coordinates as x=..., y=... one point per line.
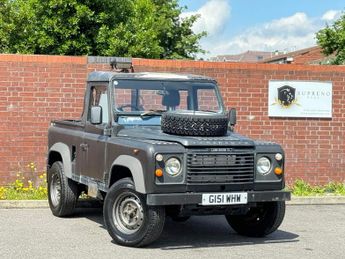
x=335, y=188
x=302, y=188
x=139, y=28
x=332, y=40
x=175, y=34
x=33, y=186
x=136, y=36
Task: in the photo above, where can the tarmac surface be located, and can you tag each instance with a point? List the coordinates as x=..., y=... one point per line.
x=309, y=231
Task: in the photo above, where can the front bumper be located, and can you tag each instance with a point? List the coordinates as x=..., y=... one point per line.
x=196, y=198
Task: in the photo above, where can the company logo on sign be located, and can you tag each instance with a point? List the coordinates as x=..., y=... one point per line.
x=300, y=99
x=286, y=96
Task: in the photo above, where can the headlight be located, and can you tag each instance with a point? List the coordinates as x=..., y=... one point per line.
x=173, y=166
x=263, y=165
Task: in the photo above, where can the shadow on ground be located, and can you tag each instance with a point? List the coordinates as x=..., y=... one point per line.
x=197, y=232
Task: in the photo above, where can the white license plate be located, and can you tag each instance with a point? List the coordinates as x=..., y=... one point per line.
x=224, y=198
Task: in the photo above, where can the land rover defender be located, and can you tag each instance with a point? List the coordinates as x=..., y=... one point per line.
x=151, y=145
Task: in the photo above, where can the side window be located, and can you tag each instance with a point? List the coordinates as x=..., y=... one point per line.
x=99, y=97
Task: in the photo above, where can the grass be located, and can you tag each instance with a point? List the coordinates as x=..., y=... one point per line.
x=302, y=188
x=28, y=186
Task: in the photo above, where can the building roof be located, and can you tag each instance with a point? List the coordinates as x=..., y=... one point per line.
x=312, y=55
x=248, y=56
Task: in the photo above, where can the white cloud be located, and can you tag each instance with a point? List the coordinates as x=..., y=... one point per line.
x=213, y=17
x=287, y=33
x=331, y=15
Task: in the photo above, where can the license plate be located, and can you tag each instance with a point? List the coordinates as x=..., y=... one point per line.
x=224, y=198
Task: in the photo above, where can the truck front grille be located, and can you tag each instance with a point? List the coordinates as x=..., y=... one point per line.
x=234, y=168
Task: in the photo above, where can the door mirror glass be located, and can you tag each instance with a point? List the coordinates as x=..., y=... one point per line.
x=232, y=117
x=96, y=114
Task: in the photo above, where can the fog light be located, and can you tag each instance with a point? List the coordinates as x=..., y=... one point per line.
x=278, y=171
x=159, y=172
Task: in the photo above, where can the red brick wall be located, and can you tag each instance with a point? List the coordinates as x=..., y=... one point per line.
x=33, y=91
x=37, y=89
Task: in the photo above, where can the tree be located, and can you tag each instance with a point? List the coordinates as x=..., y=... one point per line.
x=175, y=34
x=139, y=28
x=332, y=40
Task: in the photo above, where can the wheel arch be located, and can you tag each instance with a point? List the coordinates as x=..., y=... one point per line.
x=128, y=166
x=61, y=152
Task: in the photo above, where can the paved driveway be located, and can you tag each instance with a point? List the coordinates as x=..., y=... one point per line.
x=307, y=232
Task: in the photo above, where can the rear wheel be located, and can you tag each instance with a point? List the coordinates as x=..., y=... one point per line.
x=129, y=221
x=62, y=192
x=259, y=221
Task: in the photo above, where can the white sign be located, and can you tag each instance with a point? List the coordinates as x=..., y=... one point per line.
x=300, y=99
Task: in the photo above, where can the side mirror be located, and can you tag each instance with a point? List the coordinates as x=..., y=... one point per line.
x=232, y=118
x=96, y=114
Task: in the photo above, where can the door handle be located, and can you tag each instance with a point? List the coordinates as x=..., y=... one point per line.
x=84, y=146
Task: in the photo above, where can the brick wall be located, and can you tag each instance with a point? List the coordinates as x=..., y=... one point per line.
x=37, y=89
x=33, y=91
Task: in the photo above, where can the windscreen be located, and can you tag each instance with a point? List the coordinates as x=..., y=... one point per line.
x=137, y=97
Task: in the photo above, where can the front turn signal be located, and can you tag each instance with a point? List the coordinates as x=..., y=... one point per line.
x=278, y=171
x=159, y=172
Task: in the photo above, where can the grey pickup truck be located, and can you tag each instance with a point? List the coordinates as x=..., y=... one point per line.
x=151, y=145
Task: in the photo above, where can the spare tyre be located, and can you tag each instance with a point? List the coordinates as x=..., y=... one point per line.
x=194, y=123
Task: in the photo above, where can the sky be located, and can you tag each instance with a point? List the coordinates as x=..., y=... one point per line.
x=235, y=26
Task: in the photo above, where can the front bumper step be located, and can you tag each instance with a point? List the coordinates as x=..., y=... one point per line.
x=196, y=198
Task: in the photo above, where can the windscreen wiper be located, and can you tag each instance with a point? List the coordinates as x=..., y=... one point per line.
x=152, y=113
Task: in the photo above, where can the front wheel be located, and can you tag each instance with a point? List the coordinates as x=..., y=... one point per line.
x=129, y=221
x=259, y=221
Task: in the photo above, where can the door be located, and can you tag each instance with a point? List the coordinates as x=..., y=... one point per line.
x=94, y=141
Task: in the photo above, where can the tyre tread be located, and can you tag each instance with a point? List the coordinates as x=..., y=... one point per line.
x=186, y=124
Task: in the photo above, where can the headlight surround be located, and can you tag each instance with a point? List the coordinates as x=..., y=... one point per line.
x=173, y=166
x=263, y=165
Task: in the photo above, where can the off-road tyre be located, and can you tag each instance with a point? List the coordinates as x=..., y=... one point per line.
x=62, y=192
x=189, y=123
x=146, y=231
x=259, y=221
